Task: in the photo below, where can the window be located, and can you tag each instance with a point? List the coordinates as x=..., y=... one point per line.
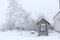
x=43, y=27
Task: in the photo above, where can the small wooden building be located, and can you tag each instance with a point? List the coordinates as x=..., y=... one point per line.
x=43, y=26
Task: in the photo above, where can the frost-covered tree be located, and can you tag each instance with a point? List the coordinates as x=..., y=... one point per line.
x=18, y=18
x=30, y=24
x=15, y=14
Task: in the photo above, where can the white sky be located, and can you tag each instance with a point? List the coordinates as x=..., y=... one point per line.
x=36, y=7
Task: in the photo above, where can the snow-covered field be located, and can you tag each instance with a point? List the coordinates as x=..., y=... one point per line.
x=26, y=35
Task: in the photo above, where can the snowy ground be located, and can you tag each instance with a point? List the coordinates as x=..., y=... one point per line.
x=26, y=35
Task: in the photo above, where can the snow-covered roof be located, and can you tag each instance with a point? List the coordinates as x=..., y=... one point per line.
x=38, y=19
x=56, y=14
x=41, y=19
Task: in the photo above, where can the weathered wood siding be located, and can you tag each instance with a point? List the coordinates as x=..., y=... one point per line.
x=48, y=26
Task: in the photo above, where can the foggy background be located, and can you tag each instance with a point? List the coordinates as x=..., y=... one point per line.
x=47, y=8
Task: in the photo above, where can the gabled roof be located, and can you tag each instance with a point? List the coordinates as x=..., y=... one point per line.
x=38, y=19
x=56, y=14
x=41, y=19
